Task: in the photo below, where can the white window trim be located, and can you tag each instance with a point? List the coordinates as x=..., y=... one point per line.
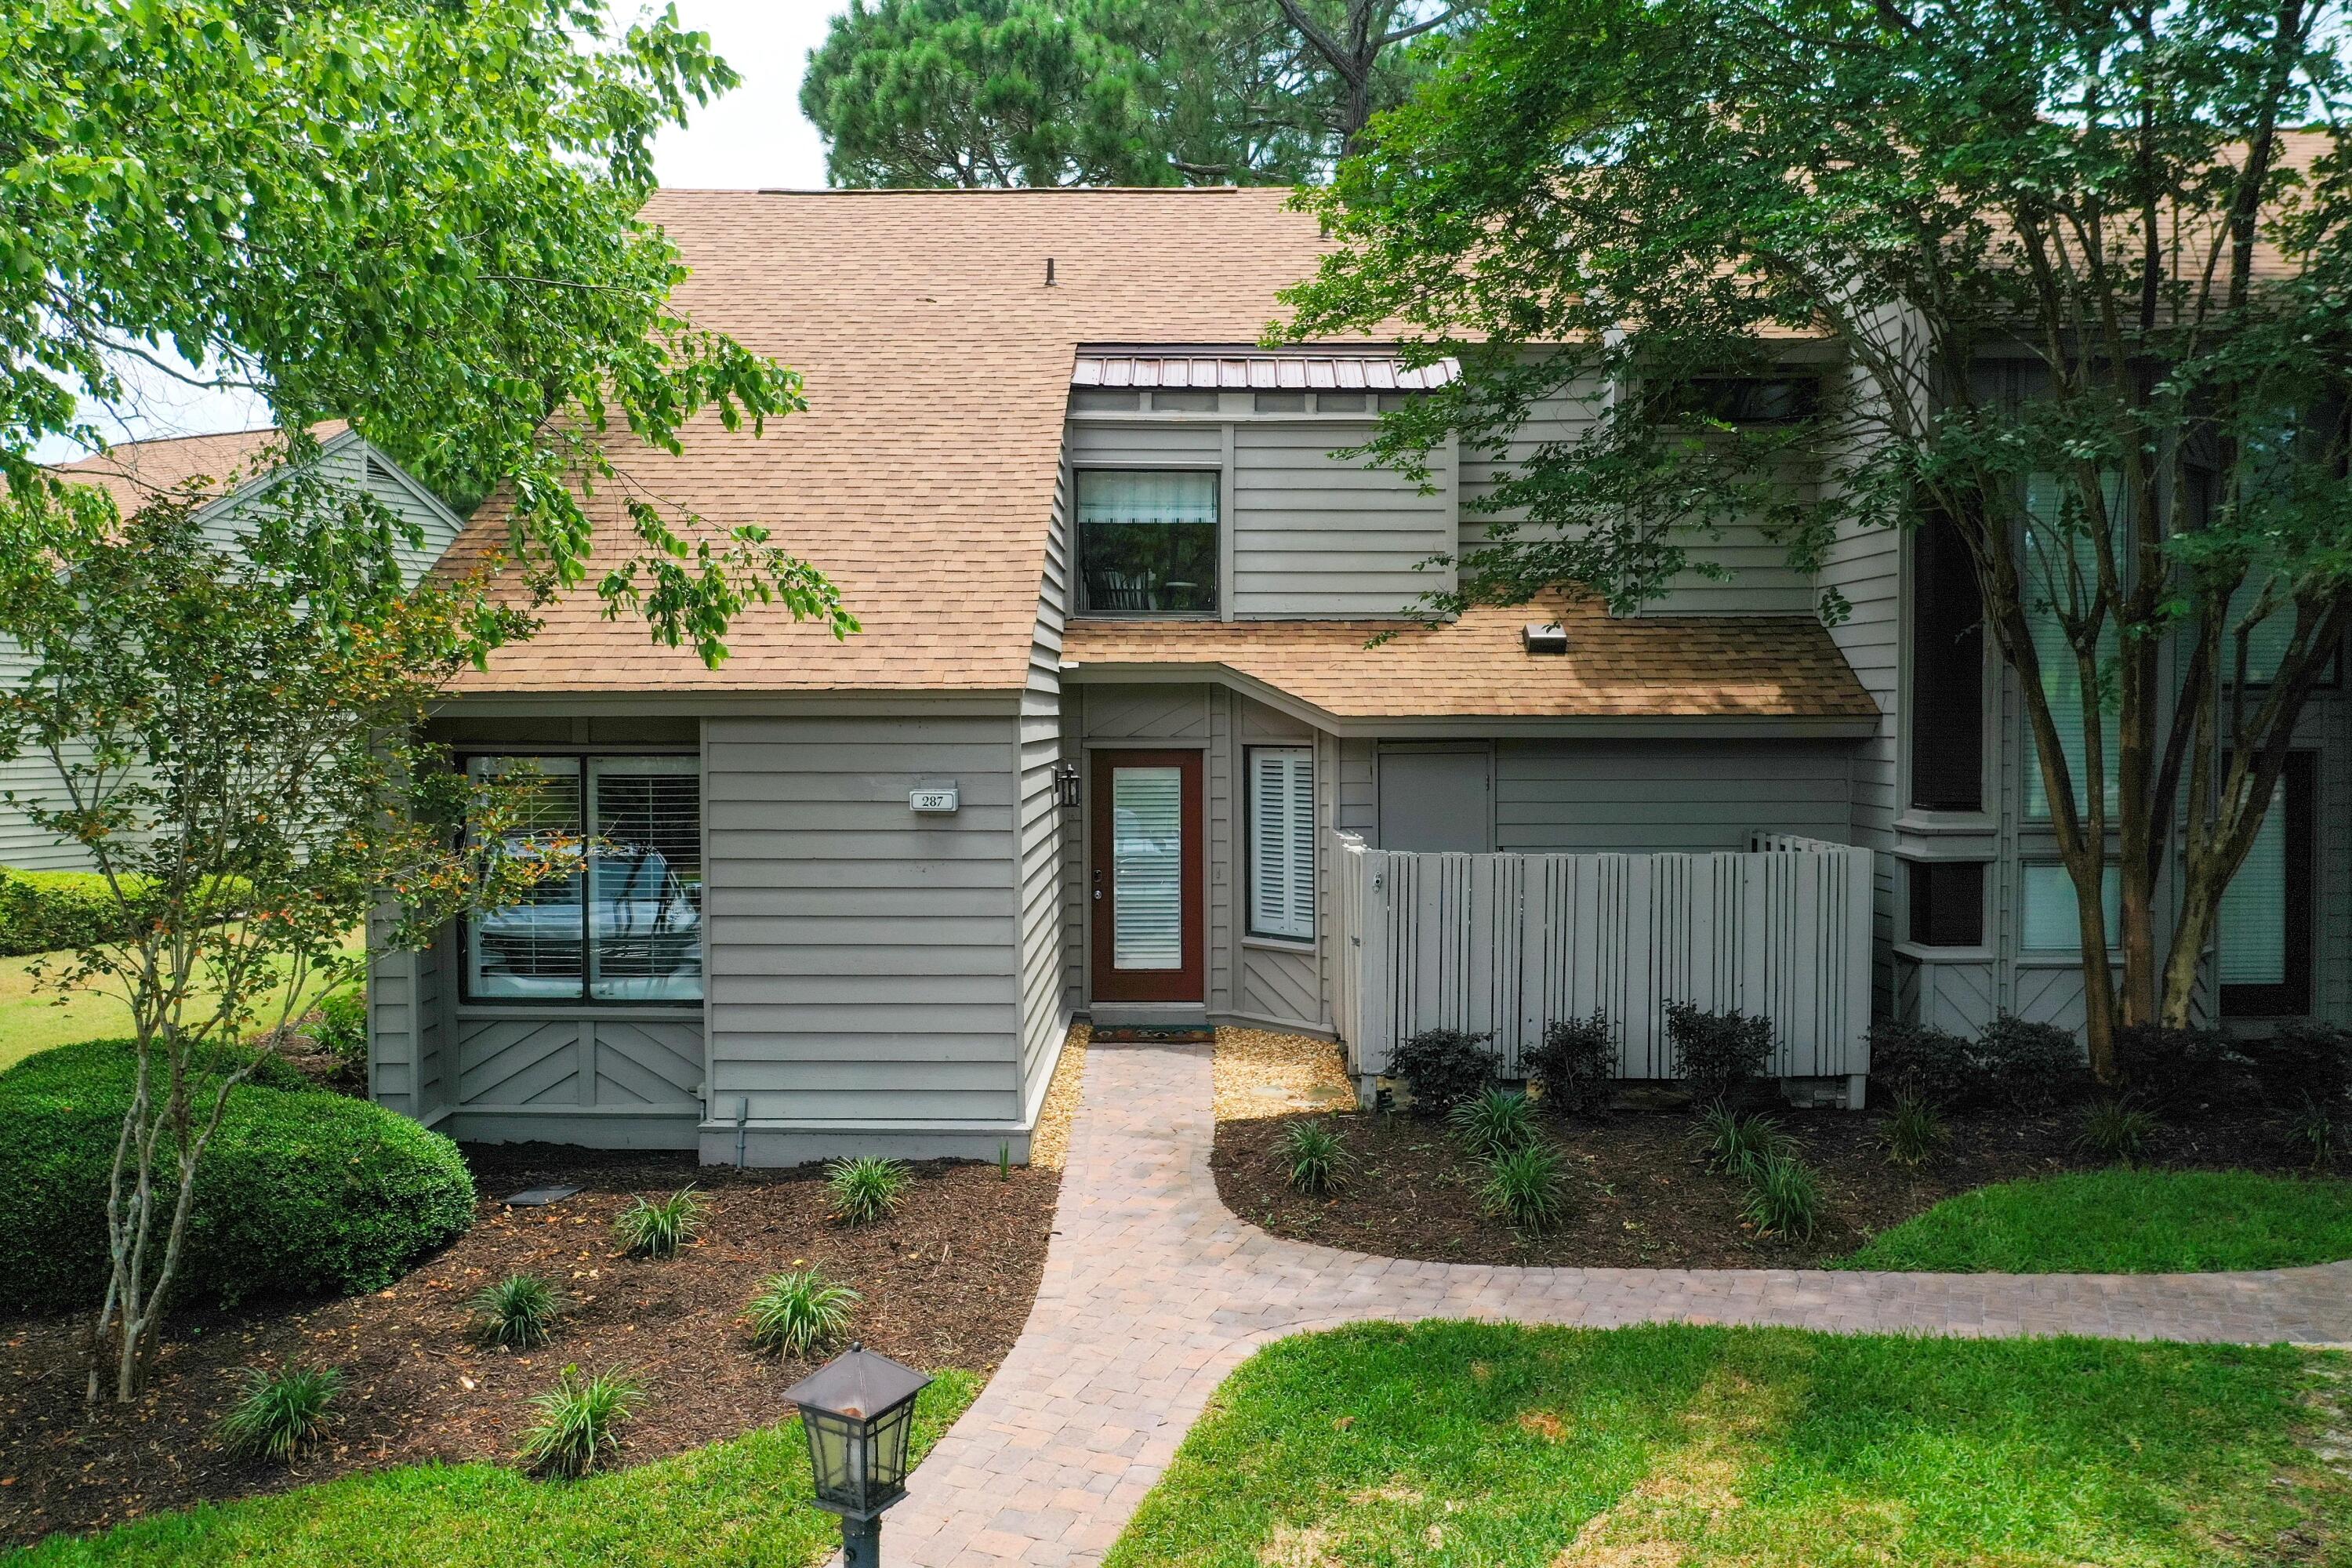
x=1298, y=762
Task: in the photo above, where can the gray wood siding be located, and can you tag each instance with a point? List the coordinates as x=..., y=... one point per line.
x=1319, y=534
x=1761, y=584
x=1866, y=566
x=862, y=959
x=1307, y=533
x=1044, y=840
x=1652, y=795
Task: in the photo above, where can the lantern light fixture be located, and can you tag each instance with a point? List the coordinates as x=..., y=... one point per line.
x=858, y=1410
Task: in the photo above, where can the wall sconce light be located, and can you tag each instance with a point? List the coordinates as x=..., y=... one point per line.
x=1065, y=785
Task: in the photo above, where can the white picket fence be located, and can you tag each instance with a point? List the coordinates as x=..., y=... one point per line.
x=1506, y=943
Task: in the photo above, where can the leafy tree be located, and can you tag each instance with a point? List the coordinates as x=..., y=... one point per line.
x=2088, y=289
x=1139, y=92
x=233, y=736
x=418, y=216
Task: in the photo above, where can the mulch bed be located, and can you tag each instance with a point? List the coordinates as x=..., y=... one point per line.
x=946, y=1282
x=1638, y=1199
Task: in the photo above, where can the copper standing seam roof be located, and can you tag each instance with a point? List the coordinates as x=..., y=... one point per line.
x=1714, y=667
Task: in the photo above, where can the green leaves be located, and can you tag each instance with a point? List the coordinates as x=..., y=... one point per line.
x=419, y=218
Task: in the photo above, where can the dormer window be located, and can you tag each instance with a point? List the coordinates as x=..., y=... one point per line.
x=1147, y=541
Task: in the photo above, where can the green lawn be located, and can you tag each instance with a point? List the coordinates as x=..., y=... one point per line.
x=1503, y=1447
x=2124, y=1222
x=740, y=1504
x=34, y=1020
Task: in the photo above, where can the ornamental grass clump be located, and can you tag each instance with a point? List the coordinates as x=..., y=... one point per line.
x=2316, y=1130
x=1314, y=1160
x=518, y=1312
x=1784, y=1198
x=580, y=1421
x=866, y=1189
x=1493, y=1124
x=2118, y=1130
x=1913, y=1133
x=281, y=1412
x=657, y=1229
x=1527, y=1188
x=801, y=1311
x=1732, y=1142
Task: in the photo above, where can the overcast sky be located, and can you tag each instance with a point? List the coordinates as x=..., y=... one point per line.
x=754, y=137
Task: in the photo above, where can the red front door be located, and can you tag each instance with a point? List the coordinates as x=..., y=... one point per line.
x=1147, y=888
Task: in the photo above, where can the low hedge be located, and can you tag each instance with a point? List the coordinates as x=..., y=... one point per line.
x=44, y=910
x=300, y=1193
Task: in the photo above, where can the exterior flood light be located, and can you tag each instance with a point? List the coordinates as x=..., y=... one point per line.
x=858, y=1410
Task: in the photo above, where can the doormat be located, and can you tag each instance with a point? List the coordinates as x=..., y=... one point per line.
x=1140, y=1034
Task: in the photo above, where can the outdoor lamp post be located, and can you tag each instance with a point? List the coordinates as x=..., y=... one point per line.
x=858, y=1410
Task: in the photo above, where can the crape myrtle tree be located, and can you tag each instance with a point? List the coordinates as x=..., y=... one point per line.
x=231, y=737
x=2087, y=272
x=1110, y=92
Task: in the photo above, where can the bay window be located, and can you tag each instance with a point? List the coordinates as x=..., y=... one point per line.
x=1148, y=542
x=1282, y=842
x=626, y=924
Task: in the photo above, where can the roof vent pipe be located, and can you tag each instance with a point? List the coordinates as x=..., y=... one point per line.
x=1049, y=272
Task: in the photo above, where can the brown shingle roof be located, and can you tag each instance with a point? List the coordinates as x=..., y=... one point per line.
x=938, y=365
x=136, y=472
x=1648, y=666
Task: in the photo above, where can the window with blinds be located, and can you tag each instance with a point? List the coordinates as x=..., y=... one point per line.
x=1147, y=852
x=2264, y=936
x=2049, y=536
x=631, y=929
x=1147, y=541
x=1282, y=842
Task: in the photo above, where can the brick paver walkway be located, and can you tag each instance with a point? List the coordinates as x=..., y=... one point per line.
x=1153, y=1291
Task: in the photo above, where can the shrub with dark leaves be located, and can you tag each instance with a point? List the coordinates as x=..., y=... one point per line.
x=2304, y=1059
x=1716, y=1053
x=2174, y=1068
x=1576, y=1064
x=2028, y=1065
x=1443, y=1068
x=1920, y=1060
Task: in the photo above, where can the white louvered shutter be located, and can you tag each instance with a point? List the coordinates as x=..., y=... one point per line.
x=1282, y=841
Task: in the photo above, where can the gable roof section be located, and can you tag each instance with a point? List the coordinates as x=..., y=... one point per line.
x=937, y=362
x=1777, y=668
x=136, y=472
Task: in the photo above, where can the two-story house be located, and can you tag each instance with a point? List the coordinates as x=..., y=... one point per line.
x=1112, y=693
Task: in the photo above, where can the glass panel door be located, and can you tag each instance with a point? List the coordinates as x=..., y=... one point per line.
x=1147, y=840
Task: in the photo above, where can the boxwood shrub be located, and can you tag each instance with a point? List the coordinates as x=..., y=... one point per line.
x=44, y=910
x=301, y=1192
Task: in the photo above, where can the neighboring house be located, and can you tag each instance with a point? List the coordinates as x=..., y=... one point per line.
x=231, y=470
x=1113, y=695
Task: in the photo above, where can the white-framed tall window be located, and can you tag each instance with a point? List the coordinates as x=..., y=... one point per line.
x=2051, y=923
x=630, y=931
x=1281, y=811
